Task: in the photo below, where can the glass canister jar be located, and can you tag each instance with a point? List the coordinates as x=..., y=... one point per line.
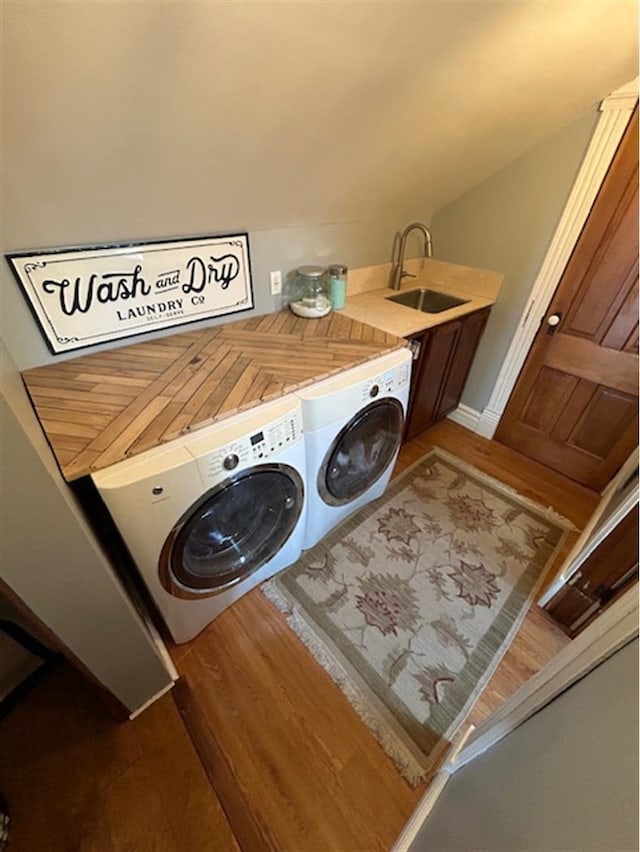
x=309, y=292
x=338, y=286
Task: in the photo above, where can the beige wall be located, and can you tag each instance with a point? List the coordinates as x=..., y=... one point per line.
x=51, y=560
x=133, y=121
x=319, y=128
x=506, y=223
x=565, y=780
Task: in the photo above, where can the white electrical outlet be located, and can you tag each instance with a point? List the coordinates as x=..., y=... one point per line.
x=276, y=282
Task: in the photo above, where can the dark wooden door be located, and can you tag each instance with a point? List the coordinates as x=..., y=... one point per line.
x=600, y=580
x=575, y=404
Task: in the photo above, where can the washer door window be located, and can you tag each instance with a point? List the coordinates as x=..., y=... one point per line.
x=235, y=528
x=361, y=453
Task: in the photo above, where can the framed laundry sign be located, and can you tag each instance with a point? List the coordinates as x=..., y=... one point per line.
x=85, y=296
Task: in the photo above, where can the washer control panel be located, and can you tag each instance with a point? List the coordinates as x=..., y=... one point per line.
x=386, y=383
x=256, y=448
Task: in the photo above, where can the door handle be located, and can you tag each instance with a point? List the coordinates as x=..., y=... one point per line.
x=553, y=322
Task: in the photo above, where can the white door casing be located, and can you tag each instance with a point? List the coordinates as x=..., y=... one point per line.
x=615, y=112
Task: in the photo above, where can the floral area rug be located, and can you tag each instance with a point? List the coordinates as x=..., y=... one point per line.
x=411, y=602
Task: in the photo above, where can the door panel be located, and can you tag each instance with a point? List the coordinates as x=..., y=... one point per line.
x=601, y=579
x=544, y=405
x=568, y=416
x=596, y=363
x=595, y=305
x=603, y=422
x=623, y=331
x=575, y=405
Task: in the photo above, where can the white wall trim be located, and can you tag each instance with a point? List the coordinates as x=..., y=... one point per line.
x=151, y=701
x=482, y=423
x=615, y=112
x=626, y=95
x=613, y=629
x=432, y=794
x=585, y=546
x=422, y=811
x=159, y=643
x=465, y=416
x=488, y=423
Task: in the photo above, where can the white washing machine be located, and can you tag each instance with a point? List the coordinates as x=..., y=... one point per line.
x=353, y=426
x=211, y=515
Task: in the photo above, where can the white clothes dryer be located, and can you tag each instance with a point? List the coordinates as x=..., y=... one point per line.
x=213, y=514
x=353, y=426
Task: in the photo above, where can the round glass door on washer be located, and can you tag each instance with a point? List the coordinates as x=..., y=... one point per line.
x=234, y=529
x=353, y=424
x=211, y=515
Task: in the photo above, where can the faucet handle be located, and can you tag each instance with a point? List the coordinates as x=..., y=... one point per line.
x=407, y=275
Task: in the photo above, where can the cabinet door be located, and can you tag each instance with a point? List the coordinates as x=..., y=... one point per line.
x=454, y=382
x=601, y=579
x=433, y=367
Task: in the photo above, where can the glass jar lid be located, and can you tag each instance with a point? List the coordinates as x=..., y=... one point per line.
x=311, y=271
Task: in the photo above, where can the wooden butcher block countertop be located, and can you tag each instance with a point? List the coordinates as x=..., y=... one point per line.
x=99, y=409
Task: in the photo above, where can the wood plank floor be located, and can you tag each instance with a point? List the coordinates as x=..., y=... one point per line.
x=293, y=766
x=76, y=781
x=248, y=663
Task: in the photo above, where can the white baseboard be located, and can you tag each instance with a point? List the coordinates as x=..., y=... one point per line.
x=152, y=700
x=432, y=793
x=465, y=416
x=482, y=423
x=419, y=816
x=488, y=423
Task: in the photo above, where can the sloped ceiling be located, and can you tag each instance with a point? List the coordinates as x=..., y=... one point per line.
x=265, y=114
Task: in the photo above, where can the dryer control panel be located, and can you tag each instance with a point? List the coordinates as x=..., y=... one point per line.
x=258, y=447
x=386, y=383
x=277, y=435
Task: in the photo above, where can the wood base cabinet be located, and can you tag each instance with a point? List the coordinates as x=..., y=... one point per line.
x=443, y=358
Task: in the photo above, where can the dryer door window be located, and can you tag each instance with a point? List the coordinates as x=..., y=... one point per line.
x=361, y=453
x=236, y=528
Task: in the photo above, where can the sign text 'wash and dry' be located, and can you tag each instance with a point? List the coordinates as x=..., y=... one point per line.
x=86, y=296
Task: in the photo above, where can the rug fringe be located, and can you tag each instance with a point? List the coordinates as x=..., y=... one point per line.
x=405, y=762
